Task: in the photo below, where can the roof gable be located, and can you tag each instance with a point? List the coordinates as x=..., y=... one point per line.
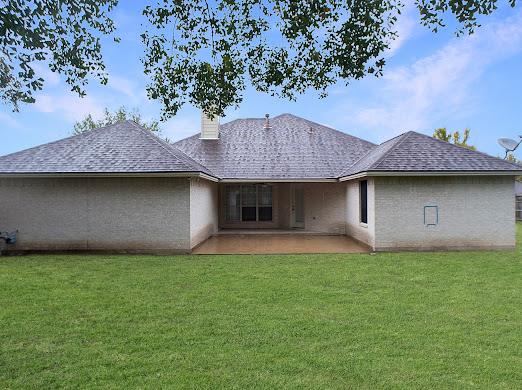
x=124, y=147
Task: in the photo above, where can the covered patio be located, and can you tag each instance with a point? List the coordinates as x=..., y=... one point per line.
x=281, y=217
x=318, y=207
x=278, y=242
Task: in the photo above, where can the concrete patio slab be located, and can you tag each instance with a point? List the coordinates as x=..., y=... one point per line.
x=279, y=244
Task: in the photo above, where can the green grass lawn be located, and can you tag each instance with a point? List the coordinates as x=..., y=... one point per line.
x=405, y=320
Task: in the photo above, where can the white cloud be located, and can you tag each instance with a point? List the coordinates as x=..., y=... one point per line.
x=438, y=85
x=69, y=106
x=405, y=27
x=119, y=92
x=42, y=70
x=123, y=85
x=180, y=127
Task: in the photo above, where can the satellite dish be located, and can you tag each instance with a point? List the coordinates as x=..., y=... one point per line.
x=509, y=144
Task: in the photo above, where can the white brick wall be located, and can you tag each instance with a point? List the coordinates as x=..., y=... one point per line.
x=133, y=214
x=203, y=210
x=325, y=207
x=354, y=228
x=474, y=212
x=168, y=214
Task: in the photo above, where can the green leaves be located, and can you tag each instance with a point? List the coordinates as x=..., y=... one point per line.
x=466, y=13
x=65, y=35
x=280, y=47
x=206, y=53
x=443, y=134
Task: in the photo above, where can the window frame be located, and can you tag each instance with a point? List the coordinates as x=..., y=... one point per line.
x=260, y=205
x=363, y=202
x=253, y=204
x=257, y=203
x=226, y=214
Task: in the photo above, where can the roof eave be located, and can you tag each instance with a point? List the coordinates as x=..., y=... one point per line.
x=42, y=175
x=431, y=173
x=279, y=180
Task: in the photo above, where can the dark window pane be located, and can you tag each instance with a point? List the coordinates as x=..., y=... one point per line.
x=265, y=213
x=249, y=214
x=364, y=200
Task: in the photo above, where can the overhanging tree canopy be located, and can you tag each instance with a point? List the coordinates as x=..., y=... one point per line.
x=64, y=34
x=206, y=52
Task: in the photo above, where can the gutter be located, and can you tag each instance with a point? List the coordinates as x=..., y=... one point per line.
x=268, y=180
x=108, y=174
x=429, y=173
x=205, y=176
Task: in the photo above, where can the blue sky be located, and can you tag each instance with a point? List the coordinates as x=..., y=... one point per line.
x=431, y=80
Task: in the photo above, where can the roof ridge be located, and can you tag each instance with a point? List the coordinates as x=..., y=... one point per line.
x=169, y=148
x=326, y=127
x=369, y=152
x=385, y=154
x=466, y=149
x=224, y=125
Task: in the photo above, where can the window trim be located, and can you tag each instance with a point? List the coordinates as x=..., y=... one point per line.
x=256, y=185
x=363, y=223
x=226, y=190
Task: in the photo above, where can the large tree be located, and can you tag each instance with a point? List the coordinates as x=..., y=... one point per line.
x=206, y=52
x=62, y=34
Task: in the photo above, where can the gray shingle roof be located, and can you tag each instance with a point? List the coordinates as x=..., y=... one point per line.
x=123, y=147
x=292, y=148
x=414, y=152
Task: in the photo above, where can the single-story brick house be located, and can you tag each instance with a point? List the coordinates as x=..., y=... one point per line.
x=121, y=188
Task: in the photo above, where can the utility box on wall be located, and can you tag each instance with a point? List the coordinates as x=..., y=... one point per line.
x=431, y=215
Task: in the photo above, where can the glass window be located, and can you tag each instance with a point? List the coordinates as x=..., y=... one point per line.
x=232, y=203
x=363, y=186
x=249, y=202
x=264, y=202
